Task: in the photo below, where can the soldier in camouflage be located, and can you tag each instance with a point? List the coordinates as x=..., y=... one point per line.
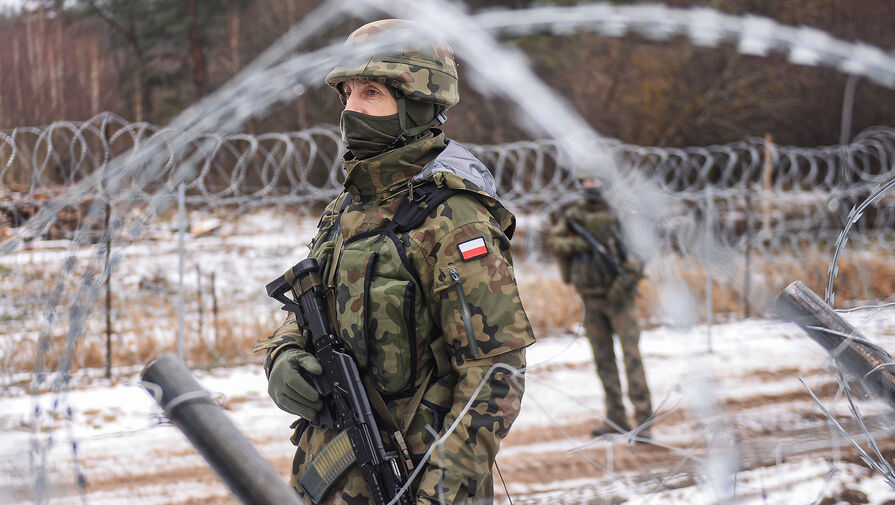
x=428, y=312
x=609, y=302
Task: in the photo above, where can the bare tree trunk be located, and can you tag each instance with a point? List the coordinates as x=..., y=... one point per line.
x=94, y=78
x=32, y=65
x=52, y=53
x=142, y=92
x=290, y=9
x=138, y=93
x=17, y=59
x=233, y=19
x=42, y=66
x=60, y=70
x=200, y=70
x=143, y=105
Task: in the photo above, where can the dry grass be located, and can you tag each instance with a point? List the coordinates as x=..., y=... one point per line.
x=550, y=305
x=860, y=279
x=553, y=305
x=145, y=323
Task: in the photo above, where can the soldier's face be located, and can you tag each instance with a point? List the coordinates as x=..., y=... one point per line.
x=590, y=183
x=369, y=97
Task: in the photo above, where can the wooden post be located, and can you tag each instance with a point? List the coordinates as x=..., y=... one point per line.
x=747, y=275
x=766, y=185
x=107, y=232
x=214, y=313
x=199, y=301
x=108, y=269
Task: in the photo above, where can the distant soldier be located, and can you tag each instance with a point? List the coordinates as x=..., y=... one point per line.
x=416, y=263
x=592, y=256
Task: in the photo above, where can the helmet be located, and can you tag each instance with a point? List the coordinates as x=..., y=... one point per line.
x=426, y=72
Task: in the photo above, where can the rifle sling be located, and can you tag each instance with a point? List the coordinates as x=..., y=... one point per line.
x=382, y=410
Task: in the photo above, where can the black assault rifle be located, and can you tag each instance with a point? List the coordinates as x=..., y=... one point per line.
x=603, y=253
x=346, y=406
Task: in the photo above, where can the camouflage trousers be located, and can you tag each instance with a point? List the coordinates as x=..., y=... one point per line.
x=601, y=322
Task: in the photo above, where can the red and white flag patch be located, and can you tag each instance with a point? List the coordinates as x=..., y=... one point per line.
x=472, y=249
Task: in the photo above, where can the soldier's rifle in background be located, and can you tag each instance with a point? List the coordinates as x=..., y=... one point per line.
x=601, y=251
x=346, y=405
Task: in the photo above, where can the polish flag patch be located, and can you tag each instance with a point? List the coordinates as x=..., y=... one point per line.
x=472, y=249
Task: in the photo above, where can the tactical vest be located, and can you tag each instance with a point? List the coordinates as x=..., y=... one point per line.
x=588, y=270
x=377, y=299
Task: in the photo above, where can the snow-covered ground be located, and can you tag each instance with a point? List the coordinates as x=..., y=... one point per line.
x=735, y=420
x=740, y=407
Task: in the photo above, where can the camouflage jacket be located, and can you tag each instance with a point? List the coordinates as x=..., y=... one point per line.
x=414, y=306
x=579, y=264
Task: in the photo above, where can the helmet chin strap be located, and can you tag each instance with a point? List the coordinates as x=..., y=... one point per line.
x=401, y=139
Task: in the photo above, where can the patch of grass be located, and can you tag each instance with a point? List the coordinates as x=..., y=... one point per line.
x=144, y=323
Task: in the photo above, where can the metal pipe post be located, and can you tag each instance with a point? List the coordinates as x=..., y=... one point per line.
x=232, y=456
x=868, y=362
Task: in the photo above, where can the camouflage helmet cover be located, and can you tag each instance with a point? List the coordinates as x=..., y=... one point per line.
x=426, y=72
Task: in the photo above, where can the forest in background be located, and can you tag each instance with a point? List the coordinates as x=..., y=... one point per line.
x=147, y=60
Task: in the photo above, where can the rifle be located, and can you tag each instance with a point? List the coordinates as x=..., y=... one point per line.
x=603, y=253
x=346, y=406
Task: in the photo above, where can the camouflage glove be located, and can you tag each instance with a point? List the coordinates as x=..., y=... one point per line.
x=618, y=294
x=288, y=389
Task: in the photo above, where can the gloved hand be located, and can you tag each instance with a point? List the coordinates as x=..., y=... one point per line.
x=618, y=294
x=288, y=389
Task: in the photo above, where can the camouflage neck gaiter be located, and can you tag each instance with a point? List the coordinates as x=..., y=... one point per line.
x=366, y=136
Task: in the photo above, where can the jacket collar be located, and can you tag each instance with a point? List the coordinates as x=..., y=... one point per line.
x=374, y=177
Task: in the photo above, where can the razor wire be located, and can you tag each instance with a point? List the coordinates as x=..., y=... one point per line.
x=765, y=196
x=184, y=154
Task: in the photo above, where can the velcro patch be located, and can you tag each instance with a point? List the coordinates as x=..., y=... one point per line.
x=472, y=249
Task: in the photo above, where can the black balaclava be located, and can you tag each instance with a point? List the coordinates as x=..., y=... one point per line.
x=366, y=136
x=594, y=195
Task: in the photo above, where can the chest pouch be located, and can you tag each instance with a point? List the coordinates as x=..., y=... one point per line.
x=379, y=302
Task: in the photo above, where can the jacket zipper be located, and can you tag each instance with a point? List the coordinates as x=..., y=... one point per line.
x=465, y=312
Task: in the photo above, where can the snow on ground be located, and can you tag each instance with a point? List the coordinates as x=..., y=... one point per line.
x=119, y=439
x=728, y=396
